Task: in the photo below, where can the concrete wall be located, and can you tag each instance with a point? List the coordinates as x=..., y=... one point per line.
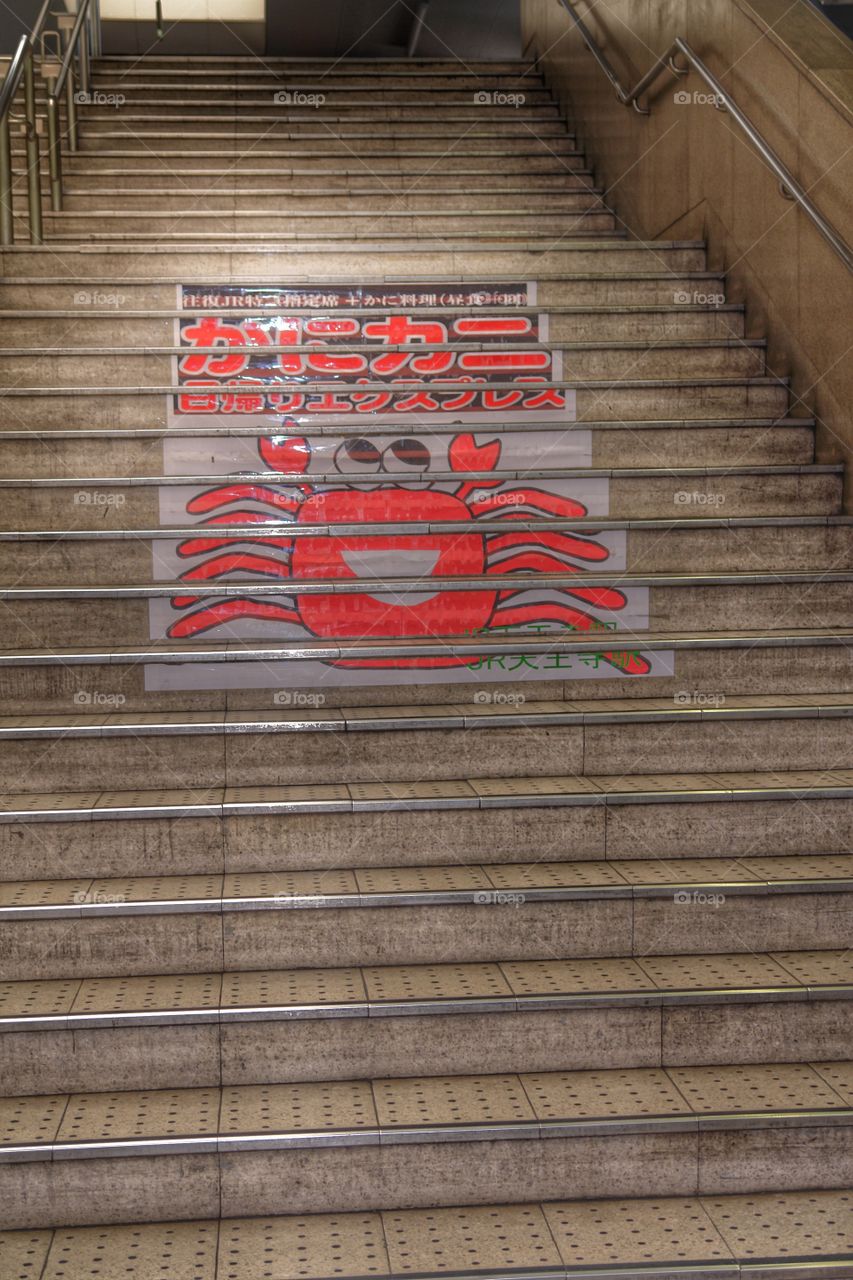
x=687, y=170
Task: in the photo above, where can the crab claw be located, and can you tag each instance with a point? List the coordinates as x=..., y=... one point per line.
x=288, y=454
x=466, y=455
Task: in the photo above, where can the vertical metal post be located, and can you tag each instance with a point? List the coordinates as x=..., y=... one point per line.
x=53, y=143
x=7, y=220
x=71, y=108
x=83, y=54
x=33, y=153
x=95, y=27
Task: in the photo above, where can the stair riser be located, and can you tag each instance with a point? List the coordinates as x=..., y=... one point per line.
x=161, y=145
x=86, y=295
x=260, y=759
x=51, y=690
x=110, y=370
x=336, y=91
x=63, y=623
x=106, y=562
x=236, y=109
x=171, y=846
x=261, y=122
x=361, y=264
x=127, y=178
x=423, y=198
x=78, y=409
x=199, y=943
x=243, y=1184
x=205, y=1056
x=114, y=330
x=640, y=497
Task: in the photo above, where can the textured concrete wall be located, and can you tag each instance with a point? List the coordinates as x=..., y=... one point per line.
x=689, y=171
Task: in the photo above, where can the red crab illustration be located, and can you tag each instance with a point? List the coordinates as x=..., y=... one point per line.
x=414, y=613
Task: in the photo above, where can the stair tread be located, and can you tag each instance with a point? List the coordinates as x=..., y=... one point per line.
x=480, y=884
x=481, y=1107
x=493, y=710
x=500, y=986
x=554, y=1240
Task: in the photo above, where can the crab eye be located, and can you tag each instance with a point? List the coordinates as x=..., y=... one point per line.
x=406, y=455
x=357, y=455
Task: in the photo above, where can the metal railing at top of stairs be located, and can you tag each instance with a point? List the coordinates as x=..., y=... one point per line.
x=64, y=70
x=789, y=188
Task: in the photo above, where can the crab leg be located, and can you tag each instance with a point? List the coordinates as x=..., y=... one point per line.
x=242, y=561
x=224, y=495
x=567, y=544
x=551, y=503
x=226, y=611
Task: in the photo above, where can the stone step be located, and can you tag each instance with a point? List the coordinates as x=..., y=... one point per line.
x=341, y=1145
x=419, y=915
x=87, y=324
x=319, y=203
x=303, y=739
x=593, y=400
x=47, y=615
x=166, y=146
x=374, y=70
x=251, y=829
x=117, y=296
x=520, y=179
x=274, y=1026
x=563, y=1240
x=266, y=120
x=764, y=544
x=106, y=224
x=359, y=262
x=83, y=454
x=41, y=504
x=733, y=358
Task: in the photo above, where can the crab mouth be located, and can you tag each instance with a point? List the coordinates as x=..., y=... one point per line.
x=394, y=563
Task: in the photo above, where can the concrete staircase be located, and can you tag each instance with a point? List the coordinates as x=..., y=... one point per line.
x=530, y=959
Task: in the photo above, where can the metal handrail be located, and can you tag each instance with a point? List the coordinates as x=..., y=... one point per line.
x=65, y=81
x=21, y=65
x=789, y=188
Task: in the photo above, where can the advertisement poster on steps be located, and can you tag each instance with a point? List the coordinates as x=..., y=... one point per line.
x=464, y=433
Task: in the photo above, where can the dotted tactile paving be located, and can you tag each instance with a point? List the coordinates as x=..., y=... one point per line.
x=346, y=1104
x=598, y=1232
x=421, y=879
x=160, y=993
x=167, y=1250
x=435, y=982
x=793, y=1224
x=288, y=884
x=161, y=1113
x=30, y=1121
x=51, y=997
x=314, y=1247
x=448, y=1100
x=696, y=973
x=588, y=1095
x=839, y=1075
x=469, y=1239
x=155, y=889
x=43, y=893
x=803, y=867
x=562, y=786
x=440, y=790
x=818, y=968
x=657, y=782
x=754, y=1088
x=292, y=987
x=252, y=797
x=683, y=870
x=570, y=977
x=553, y=875
x=23, y=1254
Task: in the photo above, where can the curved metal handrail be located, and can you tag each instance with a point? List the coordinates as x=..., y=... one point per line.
x=789, y=187
x=21, y=65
